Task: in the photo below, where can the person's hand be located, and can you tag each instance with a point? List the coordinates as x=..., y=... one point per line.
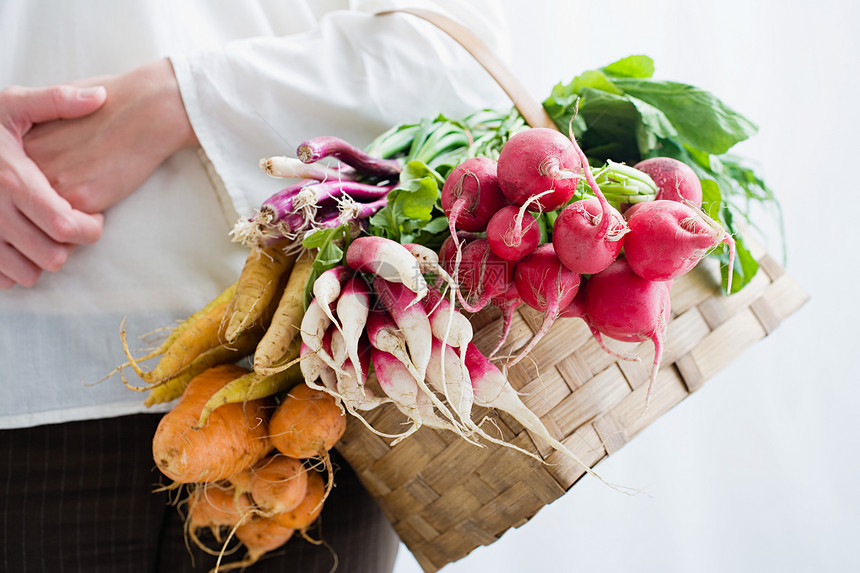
x=38, y=228
x=97, y=160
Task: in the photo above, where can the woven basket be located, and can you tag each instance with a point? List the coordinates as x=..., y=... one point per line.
x=446, y=497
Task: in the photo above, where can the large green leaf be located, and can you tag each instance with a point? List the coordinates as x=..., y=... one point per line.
x=701, y=119
x=637, y=66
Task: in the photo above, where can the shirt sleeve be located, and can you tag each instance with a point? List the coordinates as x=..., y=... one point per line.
x=353, y=75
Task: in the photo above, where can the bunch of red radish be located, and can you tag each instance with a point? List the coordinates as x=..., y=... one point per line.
x=612, y=270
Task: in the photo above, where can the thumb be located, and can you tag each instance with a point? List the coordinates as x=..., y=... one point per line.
x=35, y=105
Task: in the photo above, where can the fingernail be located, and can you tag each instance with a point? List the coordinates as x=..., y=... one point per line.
x=95, y=92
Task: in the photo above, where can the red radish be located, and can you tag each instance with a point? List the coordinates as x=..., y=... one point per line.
x=628, y=212
x=546, y=285
x=471, y=195
x=539, y=168
x=483, y=275
x=513, y=233
x=676, y=181
x=448, y=250
x=389, y=260
x=668, y=238
x=577, y=240
x=507, y=303
x=624, y=306
x=576, y=309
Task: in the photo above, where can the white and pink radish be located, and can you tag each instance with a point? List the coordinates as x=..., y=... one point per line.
x=403, y=330
x=388, y=260
x=492, y=389
x=351, y=386
x=327, y=288
x=513, y=233
x=428, y=263
x=353, y=306
x=447, y=323
x=315, y=324
x=675, y=180
x=399, y=385
x=546, y=285
x=448, y=374
x=667, y=239
x=316, y=373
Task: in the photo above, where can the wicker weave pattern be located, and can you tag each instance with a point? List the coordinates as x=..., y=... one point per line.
x=446, y=497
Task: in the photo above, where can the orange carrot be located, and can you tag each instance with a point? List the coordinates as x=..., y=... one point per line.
x=215, y=506
x=253, y=385
x=241, y=481
x=304, y=514
x=235, y=437
x=259, y=535
x=278, y=484
x=307, y=423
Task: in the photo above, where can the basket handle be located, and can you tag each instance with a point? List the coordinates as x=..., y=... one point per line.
x=531, y=110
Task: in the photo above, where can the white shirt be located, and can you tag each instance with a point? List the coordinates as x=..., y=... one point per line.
x=256, y=78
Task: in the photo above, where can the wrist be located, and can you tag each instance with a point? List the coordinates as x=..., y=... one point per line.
x=164, y=106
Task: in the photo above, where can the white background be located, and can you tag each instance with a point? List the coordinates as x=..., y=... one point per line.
x=760, y=469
